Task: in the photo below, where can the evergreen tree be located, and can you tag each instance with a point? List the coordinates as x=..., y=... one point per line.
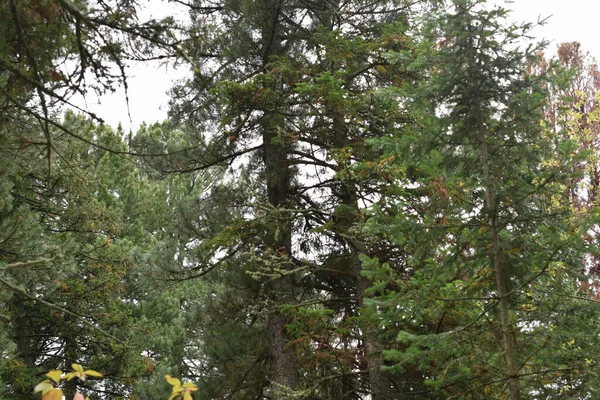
x=73, y=251
x=69, y=216
x=295, y=89
x=354, y=200
x=493, y=304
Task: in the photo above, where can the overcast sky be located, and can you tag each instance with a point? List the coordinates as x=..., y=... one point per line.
x=569, y=20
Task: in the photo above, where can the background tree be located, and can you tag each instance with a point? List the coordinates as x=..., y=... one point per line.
x=78, y=253
x=572, y=113
x=70, y=216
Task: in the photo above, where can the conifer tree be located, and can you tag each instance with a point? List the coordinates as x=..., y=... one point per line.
x=493, y=305
x=296, y=88
x=74, y=255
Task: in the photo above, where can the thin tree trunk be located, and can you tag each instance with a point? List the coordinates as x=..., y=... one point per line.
x=497, y=261
x=378, y=379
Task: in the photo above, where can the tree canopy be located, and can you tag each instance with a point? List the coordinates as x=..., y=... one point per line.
x=350, y=200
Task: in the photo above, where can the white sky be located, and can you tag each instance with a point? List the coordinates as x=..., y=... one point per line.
x=570, y=20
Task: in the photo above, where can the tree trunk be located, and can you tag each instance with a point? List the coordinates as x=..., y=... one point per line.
x=284, y=365
x=378, y=379
x=278, y=178
x=500, y=272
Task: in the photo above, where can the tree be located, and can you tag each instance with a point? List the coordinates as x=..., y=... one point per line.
x=572, y=113
x=76, y=259
x=354, y=200
x=69, y=209
x=492, y=305
x=288, y=95
x=53, y=50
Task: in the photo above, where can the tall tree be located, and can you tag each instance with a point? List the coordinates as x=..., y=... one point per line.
x=572, y=110
x=295, y=88
x=480, y=206
x=68, y=208
x=573, y=113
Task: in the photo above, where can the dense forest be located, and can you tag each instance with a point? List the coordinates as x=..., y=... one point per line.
x=350, y=200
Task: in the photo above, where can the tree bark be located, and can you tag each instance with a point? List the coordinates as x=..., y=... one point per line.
x=284, y=365
x=278, y=178
x=500, y=272
x=380, y=383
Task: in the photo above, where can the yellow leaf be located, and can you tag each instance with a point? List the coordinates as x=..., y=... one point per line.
x=173, y=396
x=187, y=396
x=487, y=390
x=54, y=394
x=173, y=381
x=43, y=387
x=54, y=375
x=77, y=367
x=70, y=375
x=190, y=386
x=91, y=372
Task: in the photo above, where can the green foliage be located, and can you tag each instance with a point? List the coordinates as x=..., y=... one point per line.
x=353, y=199
x=75, y=261
x=480, y=204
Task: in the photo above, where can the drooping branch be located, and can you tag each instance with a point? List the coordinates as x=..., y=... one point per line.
x=82, y=318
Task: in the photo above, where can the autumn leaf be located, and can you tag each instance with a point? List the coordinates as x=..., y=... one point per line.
x=179, y=390
x=77, y=367
x=54, y=375
x=53, y=394
x=78, y=372
x=43, y=387
x=190, y=386
x=91, y=372
x=173, y=381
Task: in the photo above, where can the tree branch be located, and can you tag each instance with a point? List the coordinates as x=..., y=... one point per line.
x=56, y=307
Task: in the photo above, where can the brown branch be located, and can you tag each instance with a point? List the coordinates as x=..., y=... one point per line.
x=69, y=132
x=217, y=161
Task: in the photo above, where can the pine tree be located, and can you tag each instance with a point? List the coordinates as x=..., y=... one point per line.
x=71, y=257
x=296, y=89
x=70, y=226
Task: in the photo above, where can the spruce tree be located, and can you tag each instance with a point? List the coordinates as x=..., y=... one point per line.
x=492, y=304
